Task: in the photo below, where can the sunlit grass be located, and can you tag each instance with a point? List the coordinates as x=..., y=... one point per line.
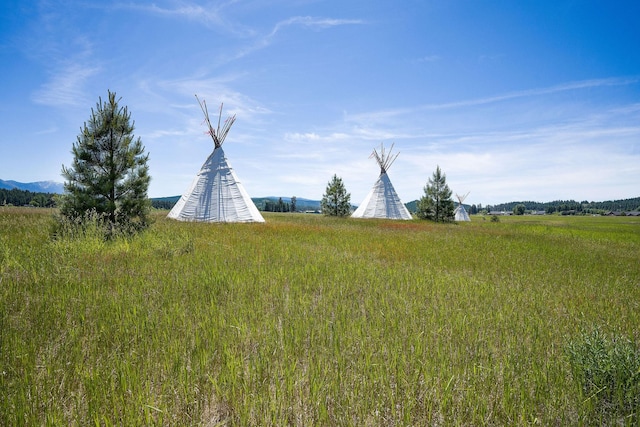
x=308, y=320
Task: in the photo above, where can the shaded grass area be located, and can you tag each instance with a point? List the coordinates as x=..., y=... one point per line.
x=308, y=320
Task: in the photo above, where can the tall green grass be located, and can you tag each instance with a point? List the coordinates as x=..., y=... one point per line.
x=308, y=320
x=607, y=369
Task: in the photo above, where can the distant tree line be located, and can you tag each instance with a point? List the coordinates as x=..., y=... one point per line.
x=16, y=197
x=569, y=207
x=280, y=205
x=561, y=207
x=263, y=204
x=162, y=204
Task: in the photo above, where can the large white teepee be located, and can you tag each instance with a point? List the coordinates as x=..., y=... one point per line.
x=216, y=194
x=382, y=201
x=460, y=212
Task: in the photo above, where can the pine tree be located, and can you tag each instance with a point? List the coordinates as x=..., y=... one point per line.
x=109, y=173
x=336, y=201
x=436, y=204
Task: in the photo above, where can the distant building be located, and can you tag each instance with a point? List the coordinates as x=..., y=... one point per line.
x=620, y=213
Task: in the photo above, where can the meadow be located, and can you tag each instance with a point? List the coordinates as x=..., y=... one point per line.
x=311, y=320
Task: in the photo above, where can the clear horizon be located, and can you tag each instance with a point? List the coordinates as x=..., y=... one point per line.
x=514, y=101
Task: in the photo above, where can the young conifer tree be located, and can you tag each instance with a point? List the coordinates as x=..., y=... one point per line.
x=109, y=173
x=336, y=201
x=436, y=204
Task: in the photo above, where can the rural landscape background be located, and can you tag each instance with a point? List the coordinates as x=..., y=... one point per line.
x=42, y=194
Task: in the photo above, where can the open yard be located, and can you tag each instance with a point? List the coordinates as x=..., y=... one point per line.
x=309, y=320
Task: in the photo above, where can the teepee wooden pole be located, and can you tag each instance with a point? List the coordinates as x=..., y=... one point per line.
x=384, y=159
x=218, y=134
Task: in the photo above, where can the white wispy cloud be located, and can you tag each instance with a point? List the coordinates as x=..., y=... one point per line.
x=67, y=73
x=313, y=137
x=47, y=131
x=381, y=116
x=313, y=23
x=210, y=15
x=214, y=90
x=306, y=22
x=578, y=85
x=65, y=86
x=428, y=58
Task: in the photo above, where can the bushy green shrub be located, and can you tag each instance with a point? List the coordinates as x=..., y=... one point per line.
x=90, y=226
x=607, y=370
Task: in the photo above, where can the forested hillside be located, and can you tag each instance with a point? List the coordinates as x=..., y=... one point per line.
x=17, y=197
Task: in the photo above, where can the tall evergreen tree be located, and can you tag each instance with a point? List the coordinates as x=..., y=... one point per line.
x=336, y=201
x=436, y=204
x=109, y=172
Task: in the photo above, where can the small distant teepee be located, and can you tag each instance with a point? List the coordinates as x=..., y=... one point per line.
x=216, y=194
x=460, y=212
x=382, y=201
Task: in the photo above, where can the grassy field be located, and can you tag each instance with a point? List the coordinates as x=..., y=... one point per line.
x=307, y=320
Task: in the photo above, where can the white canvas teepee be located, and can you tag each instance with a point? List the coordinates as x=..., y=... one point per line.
x=382, y=201
x=460, y=212
x=216, y=194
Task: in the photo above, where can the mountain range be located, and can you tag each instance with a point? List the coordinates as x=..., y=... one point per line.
x=34, y=187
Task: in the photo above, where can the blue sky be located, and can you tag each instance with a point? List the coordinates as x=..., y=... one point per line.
x=514, y=100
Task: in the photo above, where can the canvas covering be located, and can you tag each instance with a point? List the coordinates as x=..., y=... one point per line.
x=382, y=202
x=461, y=214
x=216, y=195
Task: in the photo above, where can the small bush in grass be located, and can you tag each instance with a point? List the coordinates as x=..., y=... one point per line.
x=607, y=370
x=90, y=226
